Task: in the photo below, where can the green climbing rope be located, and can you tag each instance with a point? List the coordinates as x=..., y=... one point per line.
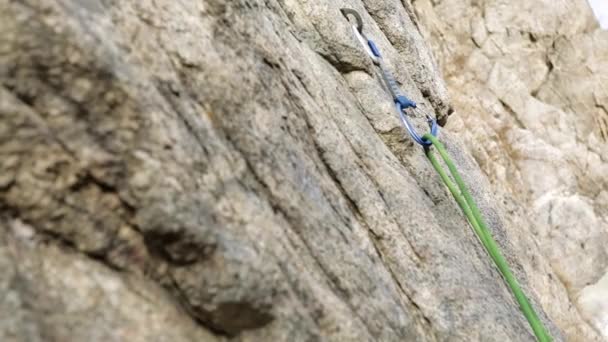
x=460, y=193
x=467, y=204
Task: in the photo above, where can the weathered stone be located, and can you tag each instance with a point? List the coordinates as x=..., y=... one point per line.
x=212, y=170
x=530, y=96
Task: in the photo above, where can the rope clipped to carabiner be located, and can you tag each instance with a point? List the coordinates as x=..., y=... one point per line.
x=401, y=101
x=459, y=191
x=467, y=204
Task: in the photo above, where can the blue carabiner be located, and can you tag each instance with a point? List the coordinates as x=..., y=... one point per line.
x=410, y=128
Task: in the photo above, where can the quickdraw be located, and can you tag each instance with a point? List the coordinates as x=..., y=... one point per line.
x=402, y=103
x=459, y=190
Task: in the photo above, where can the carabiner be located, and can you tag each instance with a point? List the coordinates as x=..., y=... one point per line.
x=358, y=21
x=368, y=45
x=412, y=131
x=401, y=101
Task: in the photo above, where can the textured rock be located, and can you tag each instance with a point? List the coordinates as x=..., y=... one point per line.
x=531, y=100
x=212, y=170
x=51, y=295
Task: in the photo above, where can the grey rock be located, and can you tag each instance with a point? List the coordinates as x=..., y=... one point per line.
x=530, y=99
x=214, y=170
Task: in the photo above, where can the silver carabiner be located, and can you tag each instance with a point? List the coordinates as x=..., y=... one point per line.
x=358, y=30
x=401, y=101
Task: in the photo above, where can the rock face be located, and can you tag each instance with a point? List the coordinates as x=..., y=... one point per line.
x=233, y=170
x=532, y=103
